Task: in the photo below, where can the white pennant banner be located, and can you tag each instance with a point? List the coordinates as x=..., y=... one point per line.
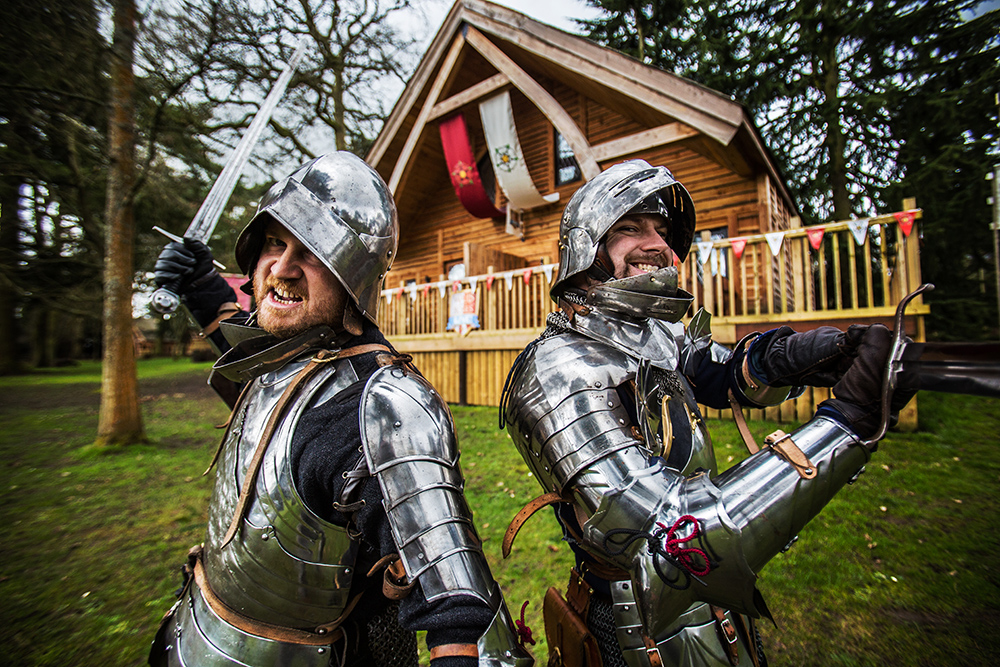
x=388, y=297
x=442, y=288
x=505, y=152
x=859, y=228
x=509, y=279
x=704, y=251
x=412, y=289
x=548, y=273
x=473, y=282
x=774, y=241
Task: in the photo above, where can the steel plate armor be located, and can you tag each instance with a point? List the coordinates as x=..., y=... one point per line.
x=409, y=444
x=568, y=414
x=285, y=566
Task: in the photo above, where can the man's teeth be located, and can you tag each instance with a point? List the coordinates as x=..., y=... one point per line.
x=646, y=268
x=283, y=296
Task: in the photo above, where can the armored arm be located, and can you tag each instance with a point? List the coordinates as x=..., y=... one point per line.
x=565, y=417
x=410, y=447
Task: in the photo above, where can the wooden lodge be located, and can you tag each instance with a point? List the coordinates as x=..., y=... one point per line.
x=579, y=108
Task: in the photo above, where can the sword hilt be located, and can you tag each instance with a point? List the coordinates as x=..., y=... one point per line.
x=164, y=301
x=893, y=365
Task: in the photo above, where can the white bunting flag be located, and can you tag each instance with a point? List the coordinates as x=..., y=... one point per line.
x=859, y=228
x=704, y=251
x=412, y=289
x=473, y=282
x=442, y=288
x=774, y=240
x=547, y=270
x=509, y=279
x=388, y=297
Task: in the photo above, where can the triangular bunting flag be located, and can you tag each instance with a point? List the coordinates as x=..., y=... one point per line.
x=473, y=282
x=905, y=220
x=442, y=288
x=388, y=297
x=413, y=293
x=509, y=279
x=489, y=281
x=455, y=286
x=815, y=235
x=426, y=289
x=527, y=276
x=548, y=273
x=859, y=228
x=774, y=241
x=738, y=246
x=704, y=251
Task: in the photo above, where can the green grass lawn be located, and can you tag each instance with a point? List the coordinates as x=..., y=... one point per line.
x=900, y=569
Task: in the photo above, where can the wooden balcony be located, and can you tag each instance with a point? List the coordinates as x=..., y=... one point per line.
x=841, y=283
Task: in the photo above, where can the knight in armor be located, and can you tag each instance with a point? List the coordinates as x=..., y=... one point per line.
x=604, y=409
x=337, y=526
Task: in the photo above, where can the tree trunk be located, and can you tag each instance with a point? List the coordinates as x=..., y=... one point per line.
x=9, y=207
x=120, y=420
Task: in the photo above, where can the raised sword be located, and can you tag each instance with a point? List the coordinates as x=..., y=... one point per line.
x=204, y=221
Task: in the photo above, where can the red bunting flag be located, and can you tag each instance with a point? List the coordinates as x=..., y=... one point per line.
x=527, y=276
x=462, y=167
x=739, y=244
x=905, y=220
x=815, y=235
x=489, y=281
x=455, y=286
x=426, y=289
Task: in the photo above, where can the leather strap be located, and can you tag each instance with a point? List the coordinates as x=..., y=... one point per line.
x=741, y=424
x=328, y=636
x=525, y=513
x=449, y=650
x=652, y=652
x=225, y=311
x=228, y=426
x=395, y=585
x=727, y=634
x=749, y=637
x=782, y=444
x=277, y=413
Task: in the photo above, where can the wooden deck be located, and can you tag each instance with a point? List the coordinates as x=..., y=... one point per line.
x=842, y=283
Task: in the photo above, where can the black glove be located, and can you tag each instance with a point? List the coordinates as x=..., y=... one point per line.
x=817, y=358
x=186, y=269
x=858, y=395
x=181, y=264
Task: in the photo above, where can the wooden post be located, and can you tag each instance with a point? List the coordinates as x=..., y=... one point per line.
x=798, y=266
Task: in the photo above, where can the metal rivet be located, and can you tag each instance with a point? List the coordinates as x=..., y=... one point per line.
x=265, y=537
x=808, y=471
x=628, y=632
x=611, y=404
x=621, y=421
x=347, y=570
x=625, y=607
x=397, y=424
x=321, y=650
x=597, y=384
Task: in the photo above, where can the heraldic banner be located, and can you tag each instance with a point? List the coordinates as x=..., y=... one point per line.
x=462, y=168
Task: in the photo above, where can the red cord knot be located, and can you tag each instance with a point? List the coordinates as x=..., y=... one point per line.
x=523, y=631
x=685, y=556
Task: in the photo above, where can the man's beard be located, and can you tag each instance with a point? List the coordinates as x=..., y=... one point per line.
x=282, y=324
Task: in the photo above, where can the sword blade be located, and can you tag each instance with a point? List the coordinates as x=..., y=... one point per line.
x=203, y=224
x=204, y=221
x=955, y=368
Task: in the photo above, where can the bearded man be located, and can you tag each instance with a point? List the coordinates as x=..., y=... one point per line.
x=337, y=525
x=604, y=409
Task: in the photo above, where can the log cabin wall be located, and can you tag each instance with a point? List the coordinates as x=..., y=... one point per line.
x=621, y=110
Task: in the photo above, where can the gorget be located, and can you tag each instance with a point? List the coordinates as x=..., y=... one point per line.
x=656, y=341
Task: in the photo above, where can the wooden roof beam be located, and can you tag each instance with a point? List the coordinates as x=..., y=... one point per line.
x=658, y=136
x=470, y=94
x=409, y=148
x=547, y=104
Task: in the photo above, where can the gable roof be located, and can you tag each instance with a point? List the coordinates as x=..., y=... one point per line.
x=517, y=48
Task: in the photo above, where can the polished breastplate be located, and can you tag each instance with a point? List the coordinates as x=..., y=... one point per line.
x=285, y=565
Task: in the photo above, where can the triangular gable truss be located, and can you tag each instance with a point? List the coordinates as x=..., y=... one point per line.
x=493, y=31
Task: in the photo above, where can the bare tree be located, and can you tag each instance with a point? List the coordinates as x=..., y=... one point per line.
x=120, y=420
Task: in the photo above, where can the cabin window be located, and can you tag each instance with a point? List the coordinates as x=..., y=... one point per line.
x=567, y=168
